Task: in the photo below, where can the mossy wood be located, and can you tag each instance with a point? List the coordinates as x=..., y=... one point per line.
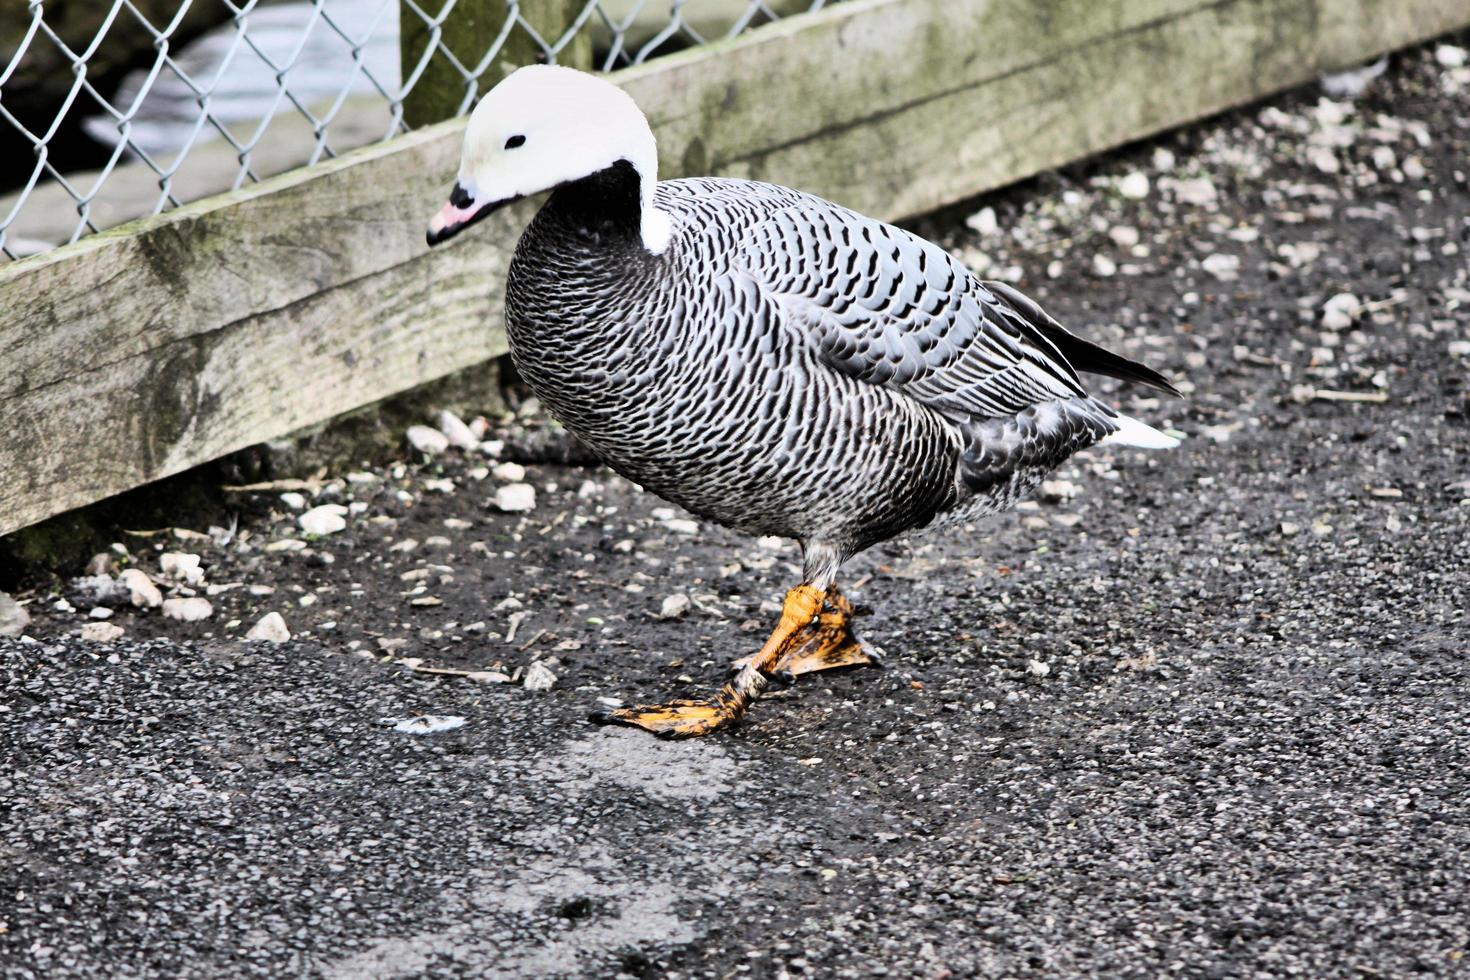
x=143, y=351
x=469, y=29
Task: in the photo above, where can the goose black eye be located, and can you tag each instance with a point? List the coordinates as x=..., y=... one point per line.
x=514, y=142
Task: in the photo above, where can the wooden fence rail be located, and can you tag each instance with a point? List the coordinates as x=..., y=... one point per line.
x=138, y=353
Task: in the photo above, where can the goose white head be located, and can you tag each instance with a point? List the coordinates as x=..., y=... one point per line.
x=544, y=126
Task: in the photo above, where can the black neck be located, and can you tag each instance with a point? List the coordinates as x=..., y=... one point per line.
x=606, y=206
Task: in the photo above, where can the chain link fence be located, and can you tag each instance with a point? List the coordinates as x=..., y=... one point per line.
x=114, y=109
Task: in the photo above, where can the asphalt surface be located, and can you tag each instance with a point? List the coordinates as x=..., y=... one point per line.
x=1204, y=713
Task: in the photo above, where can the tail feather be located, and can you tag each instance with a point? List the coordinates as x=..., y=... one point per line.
x=1132, y=432
x=1082, y=354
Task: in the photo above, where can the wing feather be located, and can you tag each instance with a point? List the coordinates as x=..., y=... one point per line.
x=889, y=308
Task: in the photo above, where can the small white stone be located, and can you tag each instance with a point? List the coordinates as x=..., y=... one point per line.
x=1339, y=311
x=983, y=222
x=1163, y=158
x=286, y=544
x=1225, y=268
x=1198, y=191
x=101, y=633
x=293, y=500
x=492, y=447
x=141, y=590
x=1059, y=491
x=509, y=472
x=674, y=606
x=1123, y=236
x=1451, y=56
x=1134, y=186
x=1459, y=348
x=190, y=610
x=459, y=435
x=99, y=612
x=515, y=498
x=13, y=616
x=1038, y=668
x=324, y=520
x=270, y=629
x=1324, y=159
x=181, y=567
x=771, y=543
x=1103, y=266
x=682, y=525
x=538, y=677
x=1288, y=529
x=427, y=440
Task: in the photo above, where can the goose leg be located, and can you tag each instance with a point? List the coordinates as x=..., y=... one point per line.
x=826, y=643
x=686, y=719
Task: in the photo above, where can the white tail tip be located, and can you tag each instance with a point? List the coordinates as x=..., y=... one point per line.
x=1132, y=432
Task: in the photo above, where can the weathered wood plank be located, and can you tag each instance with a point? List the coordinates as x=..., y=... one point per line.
x=178, y=335
x=149, y=416
x=470, y=29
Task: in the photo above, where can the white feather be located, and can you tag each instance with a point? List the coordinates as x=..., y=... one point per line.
x=1132, y=432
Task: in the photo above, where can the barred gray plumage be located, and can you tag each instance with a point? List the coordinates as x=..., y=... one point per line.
x=774, y=362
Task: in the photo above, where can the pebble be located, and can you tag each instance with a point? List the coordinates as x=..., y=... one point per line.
x=1459, y=348
x=1134, y=186
x=141, y=590
x=1451, y=56
x=1058, y=491
x=293, y=500
x=100, y=564
x=181, y=567
x=324, y=520
x=286, y=544
x=509, y=472
x=1323, y=159
x=1198, y=191
x=1352, y=83
x=1223, y=267
x=1338, y=312
x=404, y=546
x=1124, y=236
x=682, y=525
x=538, y=677
x=458, y=524
x=270, y=629
x=101, y=632
x=515, y=498
x=426, y=440
x=13, y=616
x=439, y=486
x=262, y=590
x=674, y=606
x=190, y=610
x=460, y=436
x=1103, y=266
x=99, y=612
x=983, y=222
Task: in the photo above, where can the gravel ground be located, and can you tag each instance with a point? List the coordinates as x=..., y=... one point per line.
x=1204, y=712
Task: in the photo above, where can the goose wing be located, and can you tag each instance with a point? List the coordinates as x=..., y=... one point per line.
x=887, y=307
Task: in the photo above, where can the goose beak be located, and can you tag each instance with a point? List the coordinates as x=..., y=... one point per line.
x=461, y=211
